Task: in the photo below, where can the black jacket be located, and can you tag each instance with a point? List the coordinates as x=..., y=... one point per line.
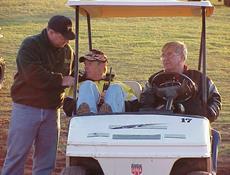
x=193, y=106
x=40, y=70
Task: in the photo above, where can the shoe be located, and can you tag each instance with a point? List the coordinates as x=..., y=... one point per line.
x=105, y=108
x=83, y=109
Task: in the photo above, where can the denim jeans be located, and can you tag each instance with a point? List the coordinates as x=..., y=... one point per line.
x=215, y=143
x=32, y=126
x=89, y=93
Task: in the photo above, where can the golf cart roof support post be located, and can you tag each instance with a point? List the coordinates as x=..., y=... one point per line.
x=76, y=57
x=200, y=54
x=204, y=78
x=89, y=30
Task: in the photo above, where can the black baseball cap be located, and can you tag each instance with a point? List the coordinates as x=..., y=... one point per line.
x=62, y=25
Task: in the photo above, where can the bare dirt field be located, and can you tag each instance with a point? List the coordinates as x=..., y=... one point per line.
x=223, y=161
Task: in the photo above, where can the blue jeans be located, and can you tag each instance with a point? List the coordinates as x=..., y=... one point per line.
x=89, y=93
x=215, y=142
x=32, y=126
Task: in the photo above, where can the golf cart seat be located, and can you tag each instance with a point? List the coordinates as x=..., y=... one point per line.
x=136, y=87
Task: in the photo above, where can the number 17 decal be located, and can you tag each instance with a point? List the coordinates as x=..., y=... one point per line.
x=186, y=120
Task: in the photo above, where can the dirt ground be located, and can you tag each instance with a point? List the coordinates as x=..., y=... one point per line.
x=5, y=109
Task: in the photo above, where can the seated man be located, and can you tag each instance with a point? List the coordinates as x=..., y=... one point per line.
x=174, y=55
x=96, y=93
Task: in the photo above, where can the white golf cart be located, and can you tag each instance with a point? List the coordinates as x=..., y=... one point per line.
x=140, y=143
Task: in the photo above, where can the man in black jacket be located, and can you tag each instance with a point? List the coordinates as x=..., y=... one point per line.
x=173, y=58
x=44, y=66
x=174, y=55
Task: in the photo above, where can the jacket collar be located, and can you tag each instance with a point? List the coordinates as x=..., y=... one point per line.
x=46, y=41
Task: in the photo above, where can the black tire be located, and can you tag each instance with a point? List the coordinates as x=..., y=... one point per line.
x=2, y=71
x=199, y=173
x=227, y=3
x=73, y=170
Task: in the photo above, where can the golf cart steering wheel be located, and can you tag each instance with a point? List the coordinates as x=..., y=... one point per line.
x=173, y=87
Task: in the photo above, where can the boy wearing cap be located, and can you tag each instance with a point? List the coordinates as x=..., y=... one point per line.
x=93, y=95
x=44, y=66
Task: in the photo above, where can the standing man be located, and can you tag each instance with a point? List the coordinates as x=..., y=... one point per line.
x=44, y=65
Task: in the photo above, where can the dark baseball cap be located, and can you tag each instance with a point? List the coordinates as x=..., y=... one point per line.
x=94, y=55
x=62, y=25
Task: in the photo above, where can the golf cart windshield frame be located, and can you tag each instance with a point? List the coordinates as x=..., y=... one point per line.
x=141, y=8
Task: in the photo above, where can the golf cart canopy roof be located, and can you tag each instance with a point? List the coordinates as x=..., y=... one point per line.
x=141, y=8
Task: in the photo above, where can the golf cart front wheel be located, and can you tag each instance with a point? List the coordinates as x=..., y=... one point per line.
x=74, y=170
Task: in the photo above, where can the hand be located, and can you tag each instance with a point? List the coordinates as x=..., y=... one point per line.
x=148, y=98
x=68, y=106
x=212, y=114
x=67, y=81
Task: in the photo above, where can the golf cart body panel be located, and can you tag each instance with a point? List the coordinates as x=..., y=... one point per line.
x=138, y=8
x=153, y=141
x=125, y=135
